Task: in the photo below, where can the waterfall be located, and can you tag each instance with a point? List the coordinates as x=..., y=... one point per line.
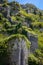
x=19, y=53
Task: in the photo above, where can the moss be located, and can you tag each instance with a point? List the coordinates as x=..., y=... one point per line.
x=32, y=60
x=40, y=41
x=20, y=31
x=2, y=36
x=38, y=24
x=29, y=30
x=13, y=18
x=30, y=16
x=17, y=36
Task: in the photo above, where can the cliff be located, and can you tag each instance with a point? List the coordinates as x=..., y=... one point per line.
x=21, y=34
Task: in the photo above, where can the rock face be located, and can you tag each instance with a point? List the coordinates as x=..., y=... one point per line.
x=34, y=42
x=18, y=52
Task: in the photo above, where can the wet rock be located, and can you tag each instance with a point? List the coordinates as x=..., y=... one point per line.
x=34, y=42
x=18, y=52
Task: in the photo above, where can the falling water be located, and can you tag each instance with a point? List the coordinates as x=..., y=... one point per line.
x=18, y=55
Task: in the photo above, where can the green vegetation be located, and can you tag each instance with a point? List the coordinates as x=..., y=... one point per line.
x=4, y=45
x=37, y=24
x=36, y=59
x=30, y=16
x=18, y=25
x=40, y=41
x=32, y=60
